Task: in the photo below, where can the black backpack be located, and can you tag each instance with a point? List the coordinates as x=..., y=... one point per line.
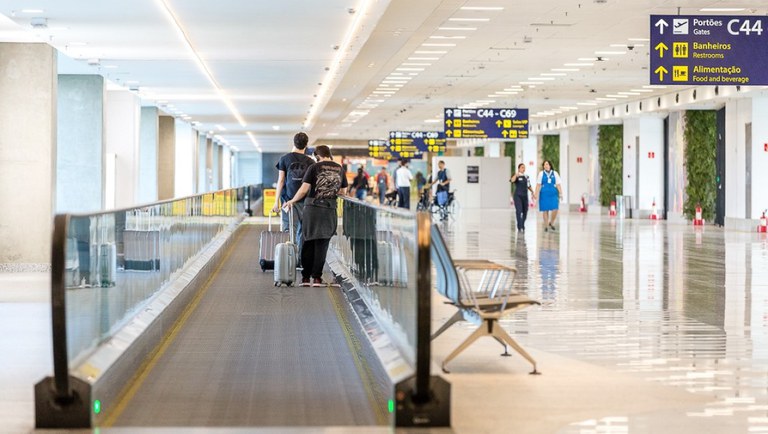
x=297, y=169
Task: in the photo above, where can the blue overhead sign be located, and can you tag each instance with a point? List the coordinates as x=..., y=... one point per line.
x=411, y=144
x=486, y=123
x=709, y=50
x=380, y=149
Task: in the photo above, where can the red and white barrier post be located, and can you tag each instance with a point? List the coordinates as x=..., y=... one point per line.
x=654, y=213
x=763, y=226
x=698, y=220
x=583, y=207
x=612, y=212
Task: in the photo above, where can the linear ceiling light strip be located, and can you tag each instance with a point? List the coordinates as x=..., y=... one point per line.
x=203, y=67
x=330, y=76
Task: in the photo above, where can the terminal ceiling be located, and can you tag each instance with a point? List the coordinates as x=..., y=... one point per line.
x=353, y=69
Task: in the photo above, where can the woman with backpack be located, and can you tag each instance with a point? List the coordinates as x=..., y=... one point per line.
x=322, y=184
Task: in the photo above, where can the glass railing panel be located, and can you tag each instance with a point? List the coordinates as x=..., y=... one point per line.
x=379, y=246
x=116, y=262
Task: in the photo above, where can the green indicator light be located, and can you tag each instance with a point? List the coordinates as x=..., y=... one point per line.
x=97, y=406
x=391, y=405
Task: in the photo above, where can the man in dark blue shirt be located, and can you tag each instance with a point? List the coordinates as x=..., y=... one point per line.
x=291, y=169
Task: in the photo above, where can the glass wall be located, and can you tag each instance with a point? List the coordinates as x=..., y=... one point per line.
x=116, y=262
x=379, y=247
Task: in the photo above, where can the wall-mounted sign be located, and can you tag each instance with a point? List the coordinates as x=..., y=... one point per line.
x=410, y=144
x=486, y=123
x=473, y=174
x=709, y=50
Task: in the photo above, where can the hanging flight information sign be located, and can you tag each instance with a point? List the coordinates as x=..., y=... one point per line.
x=380, y=149
x=486, y=123
x=411, y=144
x=709, y=50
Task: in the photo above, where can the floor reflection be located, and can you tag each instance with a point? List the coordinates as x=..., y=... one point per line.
x=676, y=305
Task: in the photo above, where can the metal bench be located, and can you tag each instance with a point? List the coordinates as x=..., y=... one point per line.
x=484, y=305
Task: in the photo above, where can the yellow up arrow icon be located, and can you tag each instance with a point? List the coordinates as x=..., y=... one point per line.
x=661, y=71
x=661, y=47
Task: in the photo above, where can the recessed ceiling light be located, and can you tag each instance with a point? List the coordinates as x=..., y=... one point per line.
x=460, y=29
x=639, y=39
x=481, y=20
x=629, y=93
x=220, y=128
x=617, y=96
x=605, y=99
x=482, y=8
x=586, y=103
x=530, y=82
x=409, y=69
x=608, y=53
x=586, y=59
x=641, y=90
x=541, y=78
x=447, y=37
x=654, y=86
x=276, y=127
x=432, y=121
x=721, y=9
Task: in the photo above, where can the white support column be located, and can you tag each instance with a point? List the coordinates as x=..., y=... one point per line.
x=643, y=163
x=27, y=155
x=493, y=149
x=122, y=139
x=80, y=144
x=759, y=157
x=149, y=144
x=574, y=160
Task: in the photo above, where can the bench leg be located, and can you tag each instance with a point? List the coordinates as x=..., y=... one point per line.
x=453, y=320
x=481, y=331
x=500, y=333
x=503, y=344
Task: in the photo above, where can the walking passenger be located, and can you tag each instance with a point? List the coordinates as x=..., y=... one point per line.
x=522, y=186
x=322, y=183
x=403, y=179
x=549, y=193
x=361, y=184
x=290, y=173
x=382, y=184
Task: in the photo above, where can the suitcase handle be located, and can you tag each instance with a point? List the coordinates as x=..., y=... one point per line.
x=290, y=226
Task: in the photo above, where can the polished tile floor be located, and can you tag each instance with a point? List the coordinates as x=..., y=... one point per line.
x=644, y=327
x=668, y=305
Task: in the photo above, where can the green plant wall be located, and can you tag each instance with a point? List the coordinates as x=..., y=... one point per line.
x=510, y=149
x=700, y=153
x=550, y=150
x=610, y=144
x=479, y=151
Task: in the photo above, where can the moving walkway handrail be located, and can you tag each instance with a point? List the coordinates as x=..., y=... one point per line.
x=61, y=224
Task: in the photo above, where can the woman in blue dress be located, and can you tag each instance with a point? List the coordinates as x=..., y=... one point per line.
x=549, y=194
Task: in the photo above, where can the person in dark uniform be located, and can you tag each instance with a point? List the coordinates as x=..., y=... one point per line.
x=522, y=186
x=322, y=184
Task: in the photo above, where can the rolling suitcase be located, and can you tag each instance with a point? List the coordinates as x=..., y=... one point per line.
x=285, y=258
x=268, y=240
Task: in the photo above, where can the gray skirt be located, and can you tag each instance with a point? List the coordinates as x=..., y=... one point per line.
x=318, y=222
